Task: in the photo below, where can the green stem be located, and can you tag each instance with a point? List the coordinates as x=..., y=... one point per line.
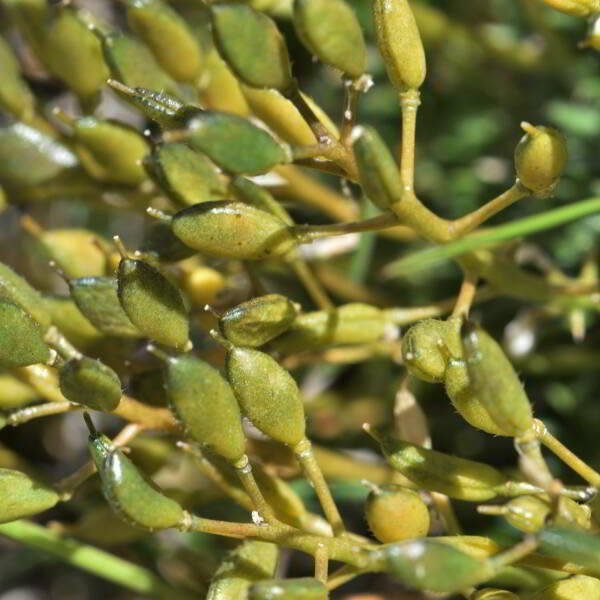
x=409, y=104
x=309, y=233
x=311, y=284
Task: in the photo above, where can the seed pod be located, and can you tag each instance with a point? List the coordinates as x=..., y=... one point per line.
x=166, y=33
x=187, y=177
x=251, y=561
x=21, y=496
x=354, y=323
x=331, y=31
x=421, y=351
x=540, y=159
x=493, y=594
x=152, y=303
x=14, y=393
x=232, y=230
x=21, y=338
x=160, y=242
x=15, y=290
x=378, y=173
x=237, y=27
x=572, y=546
x=399, y=43
x=97, y=299
x=130, y=494
x=15, y=95
x=203, y=286
x=437, y=472
x=396, y=513
x=575, y=8
x=205, y=404
x=267, y=394
x=234, y=143
x=302, y=588
x=249, y=192
x=576, y=587
x=257, y=321
x=90, y=382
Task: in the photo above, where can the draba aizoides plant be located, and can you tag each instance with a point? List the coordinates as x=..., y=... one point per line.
x=250, y=299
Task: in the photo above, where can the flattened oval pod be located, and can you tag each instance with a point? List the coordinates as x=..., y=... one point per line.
x=249, y=192
x=399, y=43
x=421, y=352
x=186, y=176
x=21, y=338
x=89, y=382
x=152, y=303
x=257, y=321
x=571, y=545
x=129, y=493
x=331, y=31
x=15, y=95
x=302, y=588
x=234, y=143
x=576, y=587
x=236, y=28
x=267, y=394
x=251, y=561
x=204, y=402
x=232, y=230
x=377, y=170
x=396, y=513
x=15, y=290
x=98, y=301
x=21, y=496
x=166, y=33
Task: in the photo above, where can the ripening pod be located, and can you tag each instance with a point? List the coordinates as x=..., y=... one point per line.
x=399, y=43
x=257, y=321
x=15, y=290
x=204, y=403
x=15, y=95
x=166, y=33
x=540, y=159
x=234, y=143
x=232, y=230
x=493, y=594
x=130, y=494
x=236, y=28
x=267, y=394
x=354, y=323
x=396, y=513
x=302, y=588
x=152, y=303
x=421, y=352
x=98, y=301
x=160, y=242
x=431, y=470
x=576, y=587
x=21, y=496
x=186, y=176
x=575, y=8
x=330, y=30
x=89, y=382
x=570, y=545
x=377, y=170
x=203, y=286
x=251, y=561
x=21, y=338
x=250, y=193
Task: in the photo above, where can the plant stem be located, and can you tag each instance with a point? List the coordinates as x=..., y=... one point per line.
x=409, y=104
x=259, y=504
x=309, y=233
x=311, y=284
x=23, y=415
x=466, y=295
x=321, y=563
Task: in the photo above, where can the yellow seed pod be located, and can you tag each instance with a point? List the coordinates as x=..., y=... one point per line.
x=203, y=285
x=400, y=43
x=578, y=587
x=396, y=513
x=575, y=8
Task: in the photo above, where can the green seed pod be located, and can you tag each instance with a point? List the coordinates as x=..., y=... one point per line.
x=421, y=350
x=21, y=338
x=98, y=301
x=399, y=43
x=378, y=173
x=166, y=33
x=493, y=594
x=540, y=159
x=396, y=513
x=236, y=28
x=204, y=402
x=21, y=496
x=129, y=493
x=249, y=192
x=234, y=143
x=152, y=303
x=354, y=323
x=186, y=176
x=15, y=290
x=14, y=393
x=250, y=561
x=331, y=31
x=576, y=587
x=232, y=230
x=257, y=321
x=303, y=588
x=573, y=546
x=89, y=382
x=160, y=242
x=15, y=95
x=267, y=394
x=431, y=470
